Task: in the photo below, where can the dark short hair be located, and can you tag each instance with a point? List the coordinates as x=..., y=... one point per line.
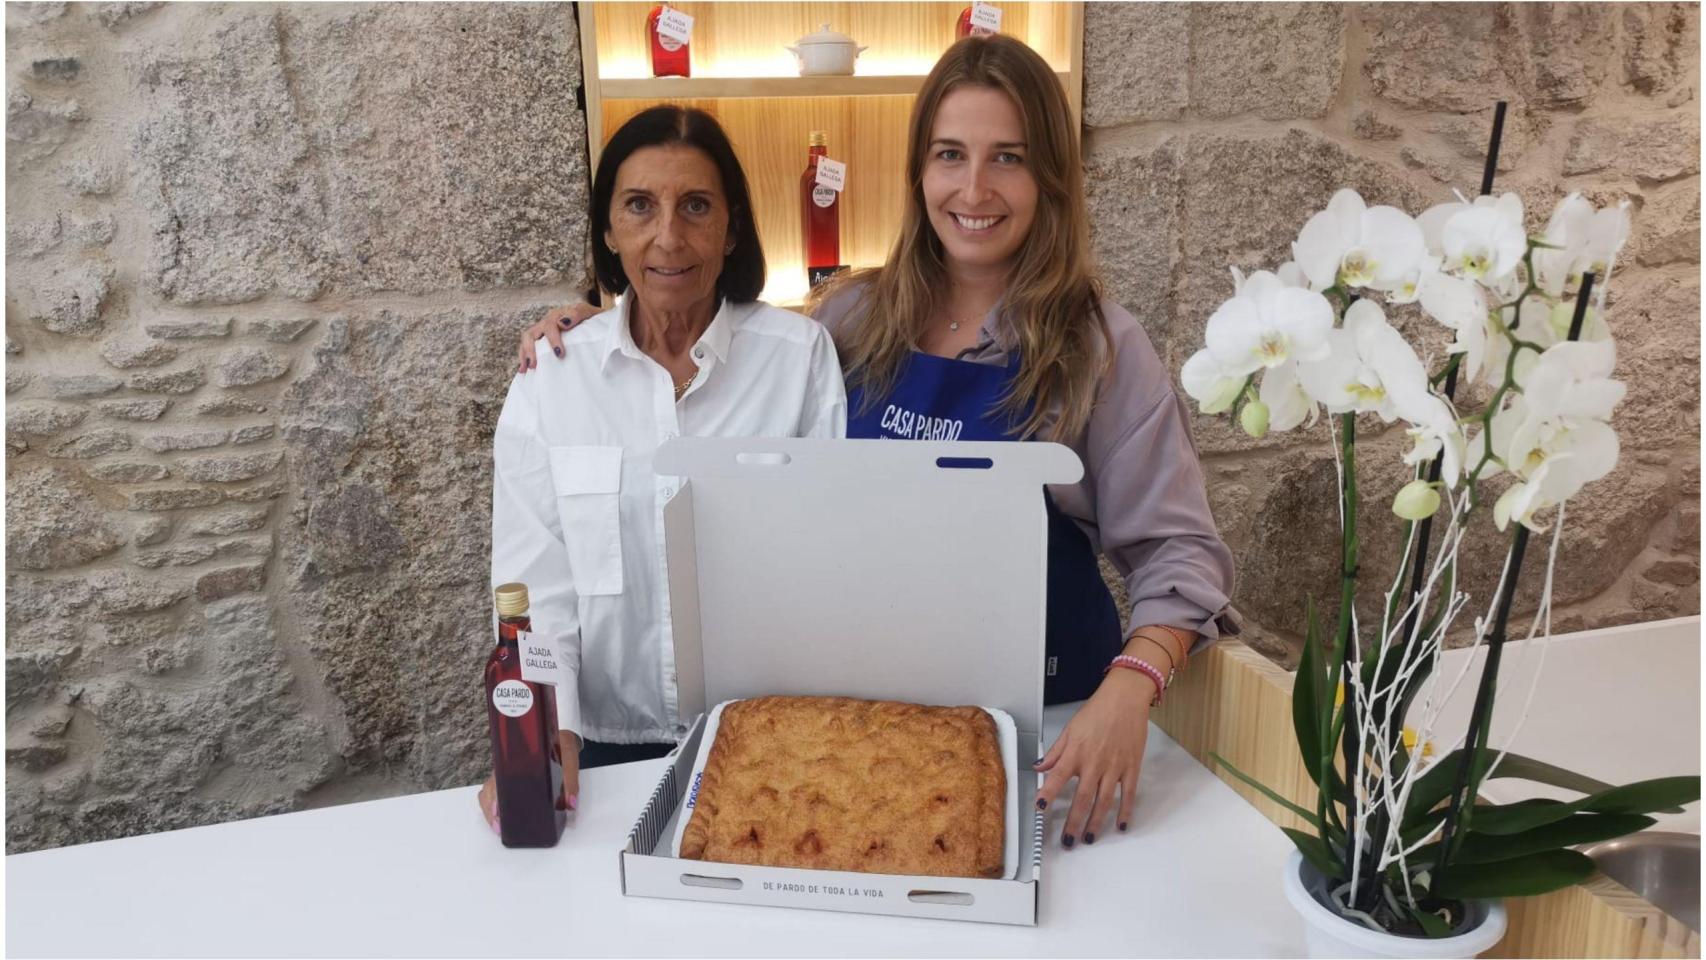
x=743, y=270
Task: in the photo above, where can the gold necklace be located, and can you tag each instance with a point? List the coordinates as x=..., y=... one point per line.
x=681, y=388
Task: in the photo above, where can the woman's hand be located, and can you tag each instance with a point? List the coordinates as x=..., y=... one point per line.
x=551, y=327
x=569, y=744
x=1102, y=746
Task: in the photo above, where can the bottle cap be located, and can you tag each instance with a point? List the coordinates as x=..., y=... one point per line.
x=819, y=139
x=512, y=599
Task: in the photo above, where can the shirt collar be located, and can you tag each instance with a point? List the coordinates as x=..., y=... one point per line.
x=720, y=332
x=621, y=338
x=994, y=329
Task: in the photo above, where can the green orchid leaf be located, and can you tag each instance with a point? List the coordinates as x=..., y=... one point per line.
x=1417, y=828
x=1435, y=785
x=1308, y=817
x=1480, y=847
x=1526, y=876
x=1431, y=923
x=1316, y=852
x=1308, y=692
x=1646, y=796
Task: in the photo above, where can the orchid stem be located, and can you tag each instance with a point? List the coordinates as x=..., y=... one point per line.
x=1470, y=768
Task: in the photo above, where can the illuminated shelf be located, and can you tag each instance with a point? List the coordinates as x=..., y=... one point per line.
x=721, y=88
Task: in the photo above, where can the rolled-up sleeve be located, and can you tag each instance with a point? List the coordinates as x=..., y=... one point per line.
x=527, y=539
x=1151, y=499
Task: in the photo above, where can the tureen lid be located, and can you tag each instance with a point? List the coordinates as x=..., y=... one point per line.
x=825, y=35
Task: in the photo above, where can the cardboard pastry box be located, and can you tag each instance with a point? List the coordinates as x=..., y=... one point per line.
x=881, y=569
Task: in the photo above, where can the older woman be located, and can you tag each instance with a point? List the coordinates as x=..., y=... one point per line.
x=687, y=350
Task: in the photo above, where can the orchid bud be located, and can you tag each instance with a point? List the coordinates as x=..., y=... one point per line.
x=1254, y=419
x=1416, y=501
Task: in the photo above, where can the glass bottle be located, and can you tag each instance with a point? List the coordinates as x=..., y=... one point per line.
x=670, y=57
x=527, y=762
x=820, y=216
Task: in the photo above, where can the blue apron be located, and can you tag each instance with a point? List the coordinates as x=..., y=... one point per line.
x=936, y=398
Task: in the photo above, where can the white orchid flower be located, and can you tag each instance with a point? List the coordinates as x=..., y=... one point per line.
x=1485, y=241
x=1268, y=324
x=1554, y=326
x=1579, y=239
x=1351, y=244
x=1434, y=430
x=1409, y=289
x=1606, y=236
x=1566, y=238
x=1572, y=381
x=1208, y=384
x=1288, y=403
x=1460, y=305
x=1370, y=367
x=1490, y=341
x=1432, y=224
x=1565, y=462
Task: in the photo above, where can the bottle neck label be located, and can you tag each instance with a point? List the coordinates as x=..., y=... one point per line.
x=541, y=661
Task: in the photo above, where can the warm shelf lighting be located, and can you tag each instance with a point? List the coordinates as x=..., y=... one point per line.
x=627, y=67
x=785, y=282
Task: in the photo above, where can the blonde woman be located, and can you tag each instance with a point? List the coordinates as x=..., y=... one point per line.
x=987, y=323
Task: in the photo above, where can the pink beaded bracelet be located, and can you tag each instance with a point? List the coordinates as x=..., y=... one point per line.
x=1144, y=667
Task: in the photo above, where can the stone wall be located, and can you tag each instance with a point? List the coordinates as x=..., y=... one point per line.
x=266, y=265
x=1213, y=131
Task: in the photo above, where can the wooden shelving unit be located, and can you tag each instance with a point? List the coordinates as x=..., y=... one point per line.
x=743, y=75
x=660, y=89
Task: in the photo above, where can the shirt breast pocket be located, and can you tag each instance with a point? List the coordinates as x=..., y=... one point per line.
x=588, y=482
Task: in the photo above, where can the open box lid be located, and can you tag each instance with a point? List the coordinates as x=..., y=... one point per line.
x=881, y=569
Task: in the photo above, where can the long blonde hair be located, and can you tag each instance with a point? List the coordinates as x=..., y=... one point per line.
x=1052, y=293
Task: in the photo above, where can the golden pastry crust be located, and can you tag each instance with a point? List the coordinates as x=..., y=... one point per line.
x=833, y=783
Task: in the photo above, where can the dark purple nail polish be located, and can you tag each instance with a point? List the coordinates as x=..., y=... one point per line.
x=1068, y=840
x=1089, y=838
x=1122, y=827
x=1042, y=804
x=557, y=350
x=563, y=322
x=1037, y=762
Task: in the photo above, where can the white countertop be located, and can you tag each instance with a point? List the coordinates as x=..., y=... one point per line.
x=1618, y=704
x=1197, y=875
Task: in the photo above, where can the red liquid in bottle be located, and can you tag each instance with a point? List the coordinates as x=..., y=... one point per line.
x=527, y=762
x=670, y=57
x=820, y=217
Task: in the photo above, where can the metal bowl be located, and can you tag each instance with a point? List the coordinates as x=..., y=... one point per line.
x=1663, y=868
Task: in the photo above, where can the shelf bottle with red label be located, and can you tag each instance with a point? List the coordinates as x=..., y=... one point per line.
x=527, y=763
x=820, y=216
x=670, y=57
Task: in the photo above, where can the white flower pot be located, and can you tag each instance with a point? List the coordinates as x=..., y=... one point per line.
x=1329, y=935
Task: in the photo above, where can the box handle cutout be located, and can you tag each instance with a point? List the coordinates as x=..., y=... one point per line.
x=721, y=883
x=947, y=897
x=763, y=459
x=964, y=463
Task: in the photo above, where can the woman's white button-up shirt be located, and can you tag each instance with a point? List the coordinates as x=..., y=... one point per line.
x=577, y=511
